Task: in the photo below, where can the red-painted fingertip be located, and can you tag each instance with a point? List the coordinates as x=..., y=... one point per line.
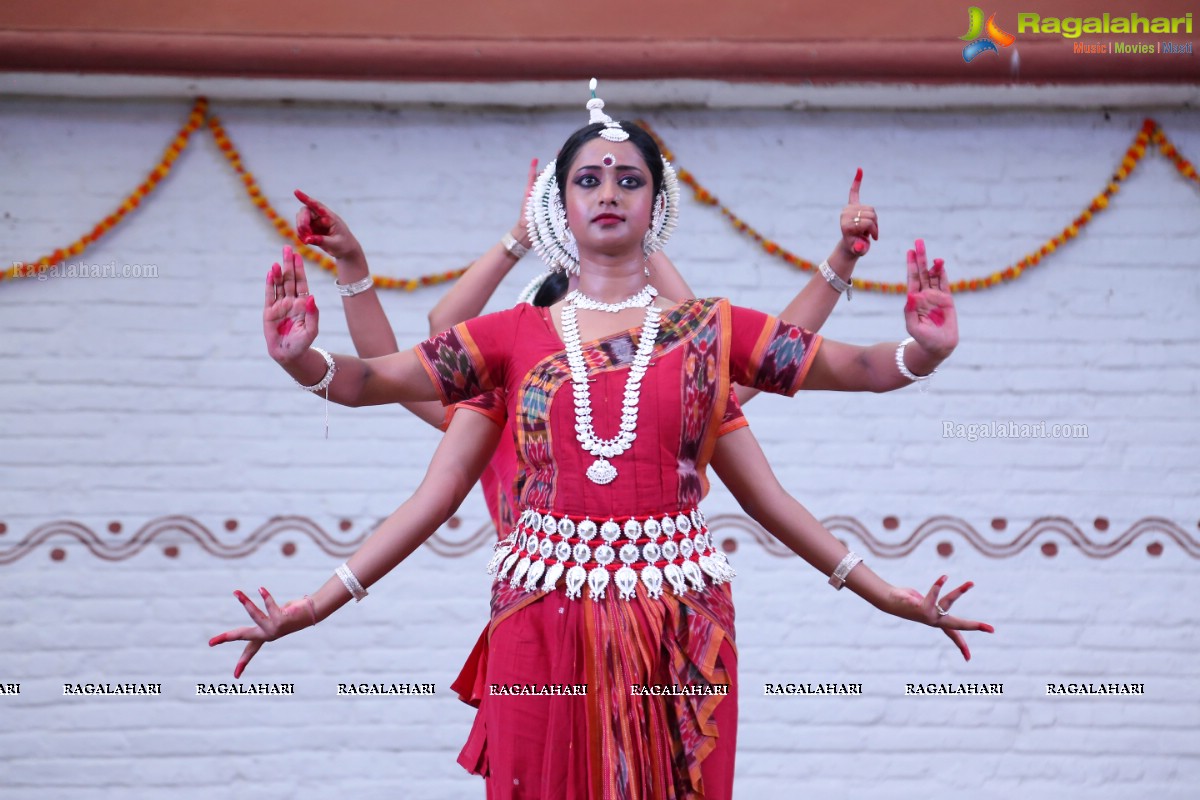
x=237, y=672
x=301, y=196
x=920, y=246
x=310, y=303
x=858, y=174
x=987, y=628
x=287, y=252
x=276, y=272
x=237, y=593
x=911, y=304
x=262, y=590
x=214, y=641
x=943, y=579
x=938, y=266
x=860, y=246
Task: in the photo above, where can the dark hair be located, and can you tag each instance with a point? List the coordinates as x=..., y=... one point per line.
x=551, y=290
x=643, y=141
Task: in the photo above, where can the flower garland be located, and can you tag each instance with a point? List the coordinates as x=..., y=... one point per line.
x=225, y=144
x=131, y=201
x=1150, y=132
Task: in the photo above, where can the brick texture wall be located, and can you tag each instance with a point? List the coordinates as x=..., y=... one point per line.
x=147, y=443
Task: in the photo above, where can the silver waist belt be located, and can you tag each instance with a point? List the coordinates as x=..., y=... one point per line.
x=668, y=550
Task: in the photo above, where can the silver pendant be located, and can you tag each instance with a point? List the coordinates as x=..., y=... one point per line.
x=626, y=580
x=601, y=472
x=519, y=572
x=576, y=575
x=652, y=577
x=552, y=575
x=675, y=576
x=597, y=582
x=534, y=575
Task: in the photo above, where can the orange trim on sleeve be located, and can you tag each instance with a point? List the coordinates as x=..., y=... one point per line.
x=764, y=340
x=485, y=378
x=732, y=425
x=433, y=377
x=809, y=357
x=496, y=415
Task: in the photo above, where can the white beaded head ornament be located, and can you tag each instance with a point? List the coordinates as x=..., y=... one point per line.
x=546, y=217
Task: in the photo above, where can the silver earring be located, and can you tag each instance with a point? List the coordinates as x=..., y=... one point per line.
x=651, y=243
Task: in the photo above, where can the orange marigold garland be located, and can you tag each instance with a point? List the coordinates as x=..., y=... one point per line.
x=132, y=201
x=1150, y=131
x=225, y=145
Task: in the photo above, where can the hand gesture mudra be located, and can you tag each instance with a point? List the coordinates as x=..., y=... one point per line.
x=289, y=311
x=934, y=611
x=316, y=225
x=929, y=313
x=859, y=223
x=276, y=623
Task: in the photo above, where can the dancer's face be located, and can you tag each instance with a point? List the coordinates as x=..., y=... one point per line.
x=609, y=197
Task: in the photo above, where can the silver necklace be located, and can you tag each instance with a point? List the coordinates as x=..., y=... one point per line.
x=643, y=298
x=602, y=471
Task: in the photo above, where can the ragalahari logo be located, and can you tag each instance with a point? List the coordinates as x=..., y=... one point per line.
x=975, y=27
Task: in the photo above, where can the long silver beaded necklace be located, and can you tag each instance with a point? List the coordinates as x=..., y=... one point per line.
x=602, y=471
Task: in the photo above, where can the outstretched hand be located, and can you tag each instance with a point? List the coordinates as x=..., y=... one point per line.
x=289, y=311
x=911, y=604
x=318, y=226
x=274, y=624
x=859, y=223
x=929, y=313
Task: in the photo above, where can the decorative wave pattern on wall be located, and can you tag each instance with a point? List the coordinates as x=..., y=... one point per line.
x=172, y=533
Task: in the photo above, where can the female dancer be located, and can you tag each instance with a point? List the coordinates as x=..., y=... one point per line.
x=371, y=332
x=610, y=579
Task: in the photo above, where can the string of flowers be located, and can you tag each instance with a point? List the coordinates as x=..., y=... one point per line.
x=134, y=199
x=1150, y=131
x=254, y=191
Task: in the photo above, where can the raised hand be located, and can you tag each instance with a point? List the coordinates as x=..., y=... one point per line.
x=520, y=231
x=274, y=624
x=318, y=226
x=929, y=313
x=289, y=311
x=858, y=222
x=929, y=609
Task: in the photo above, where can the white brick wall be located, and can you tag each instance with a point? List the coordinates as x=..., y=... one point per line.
x=130, y=400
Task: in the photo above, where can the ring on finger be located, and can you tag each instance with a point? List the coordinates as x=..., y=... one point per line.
x=941, y=613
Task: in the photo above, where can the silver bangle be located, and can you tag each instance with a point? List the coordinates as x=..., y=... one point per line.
x=835, y=281
x=351, y=583
x=514, y=248
x=358, y=287
x=905, y=371
x=330, y=369
x=838, y=579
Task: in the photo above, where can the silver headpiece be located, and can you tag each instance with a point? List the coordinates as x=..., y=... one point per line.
x=546, y=217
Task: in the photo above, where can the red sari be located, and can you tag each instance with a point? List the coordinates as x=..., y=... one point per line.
x=611, y=743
